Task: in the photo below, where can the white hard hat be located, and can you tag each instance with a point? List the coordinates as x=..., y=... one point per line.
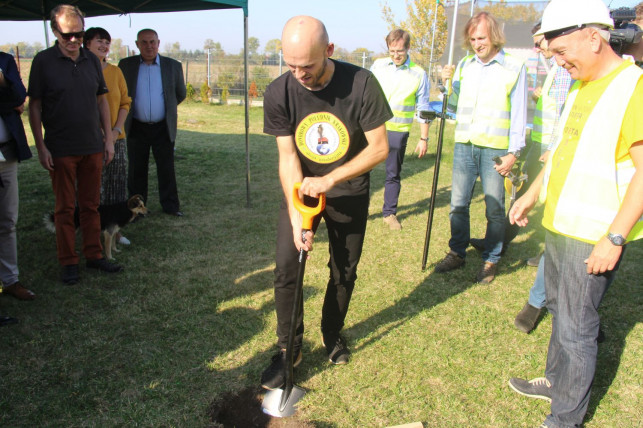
x=563, y=15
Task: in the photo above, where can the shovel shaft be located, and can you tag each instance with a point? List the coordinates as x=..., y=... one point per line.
x=296, y=305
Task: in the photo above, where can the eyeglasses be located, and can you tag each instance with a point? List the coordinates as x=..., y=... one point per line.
x=538, y=43
x=400, y=52
x=68, y=36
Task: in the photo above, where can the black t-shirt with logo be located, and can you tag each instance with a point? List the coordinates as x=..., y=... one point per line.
x=328, y=125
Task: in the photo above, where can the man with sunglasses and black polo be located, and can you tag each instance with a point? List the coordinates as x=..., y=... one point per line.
x=66, y=97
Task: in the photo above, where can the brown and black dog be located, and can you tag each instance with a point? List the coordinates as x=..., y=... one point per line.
x=112, y=219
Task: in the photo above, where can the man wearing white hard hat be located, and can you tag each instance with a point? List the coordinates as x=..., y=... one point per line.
x=592, y=186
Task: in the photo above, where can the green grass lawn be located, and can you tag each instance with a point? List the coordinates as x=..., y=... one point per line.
x=192, y=316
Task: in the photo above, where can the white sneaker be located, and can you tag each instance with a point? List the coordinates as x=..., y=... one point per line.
x=123, y=240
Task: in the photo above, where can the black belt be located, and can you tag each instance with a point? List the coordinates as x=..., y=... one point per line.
x=148, y=123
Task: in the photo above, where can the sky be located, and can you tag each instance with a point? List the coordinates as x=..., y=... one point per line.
x=351, y=24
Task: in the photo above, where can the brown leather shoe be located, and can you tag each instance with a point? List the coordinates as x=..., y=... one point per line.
x=18, y=291
x=487, y=273
x=450, y=262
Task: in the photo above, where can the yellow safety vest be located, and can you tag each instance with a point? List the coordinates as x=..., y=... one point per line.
x=484, y=111
x=545, y=115
x=596, y=184
x=400, y=87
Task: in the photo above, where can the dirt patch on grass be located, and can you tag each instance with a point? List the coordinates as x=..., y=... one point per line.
x=243, y=409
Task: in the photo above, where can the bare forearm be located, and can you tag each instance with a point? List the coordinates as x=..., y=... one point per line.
x=35, y=122
x=120, y=119
x=367, y=159
x=103, y=111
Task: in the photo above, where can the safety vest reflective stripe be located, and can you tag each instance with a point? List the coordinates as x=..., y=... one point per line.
x=595, y=186
x=545, y=116
x=484, y=113
x=400, y=88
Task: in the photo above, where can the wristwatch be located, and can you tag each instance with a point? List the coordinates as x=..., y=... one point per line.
x=616, y=239
x=424, y=139
x=516, y=153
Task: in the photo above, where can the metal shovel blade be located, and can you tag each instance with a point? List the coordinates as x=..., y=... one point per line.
x=272, y=405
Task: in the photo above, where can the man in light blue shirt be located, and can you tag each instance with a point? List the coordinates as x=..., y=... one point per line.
x=407, y=90
x=489, y=92
x=157, y=87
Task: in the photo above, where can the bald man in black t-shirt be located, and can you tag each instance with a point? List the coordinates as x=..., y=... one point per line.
x=328, y=118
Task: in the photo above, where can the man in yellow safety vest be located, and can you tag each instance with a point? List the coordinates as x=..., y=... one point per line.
x=489, y=90
x=407, y=90
x=592, y=186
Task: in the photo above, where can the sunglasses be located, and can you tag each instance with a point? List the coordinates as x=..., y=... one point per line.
x=68, y=36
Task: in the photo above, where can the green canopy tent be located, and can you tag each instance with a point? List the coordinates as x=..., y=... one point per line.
x=31, y=10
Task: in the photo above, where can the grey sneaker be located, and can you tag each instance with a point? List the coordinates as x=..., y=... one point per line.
x=450, y=262
x=535, y=388
x=392, y=222
x=526, y=319
x=487, y=273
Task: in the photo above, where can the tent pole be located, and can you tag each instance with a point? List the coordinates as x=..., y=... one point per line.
x=245, y=68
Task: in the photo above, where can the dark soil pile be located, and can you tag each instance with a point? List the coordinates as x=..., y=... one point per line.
x=243, y=410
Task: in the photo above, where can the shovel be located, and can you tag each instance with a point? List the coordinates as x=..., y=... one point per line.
x=281, y=403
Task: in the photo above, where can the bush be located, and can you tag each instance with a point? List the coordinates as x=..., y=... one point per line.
x=189, y=92
x=205, y=93
x=225, y=93
x=252, y=92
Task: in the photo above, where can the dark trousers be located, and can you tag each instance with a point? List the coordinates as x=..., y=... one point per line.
x=77, y=178
x=345, y=219
x=396, y=149
x=141, y=138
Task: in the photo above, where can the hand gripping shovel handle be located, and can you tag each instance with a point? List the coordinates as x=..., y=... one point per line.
x=308, y=215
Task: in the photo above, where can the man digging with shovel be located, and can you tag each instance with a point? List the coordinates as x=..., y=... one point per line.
x=329, y=120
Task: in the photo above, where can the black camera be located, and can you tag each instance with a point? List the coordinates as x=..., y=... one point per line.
x=625, y=32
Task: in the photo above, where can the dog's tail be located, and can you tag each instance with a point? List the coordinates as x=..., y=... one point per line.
x=48, y=220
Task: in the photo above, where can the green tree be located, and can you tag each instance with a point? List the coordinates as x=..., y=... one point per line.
x=261, y=77
x=116, y=50
x=419, y=24
x=511, y=13
x=253, y=45
x=273, y=46
x=208, y=44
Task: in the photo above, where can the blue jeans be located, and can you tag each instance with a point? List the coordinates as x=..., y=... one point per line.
x=469, y=163
x=396, y=149
x=537, y=291
x=573, y=298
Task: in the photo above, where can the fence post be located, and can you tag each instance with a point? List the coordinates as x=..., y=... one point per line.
x=363, y=59
x=209, y=68
x=280, y=63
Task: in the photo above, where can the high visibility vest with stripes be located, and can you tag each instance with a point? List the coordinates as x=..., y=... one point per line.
x=545, y=115
x=400, y=88
x=596, y=184
x=484, y=111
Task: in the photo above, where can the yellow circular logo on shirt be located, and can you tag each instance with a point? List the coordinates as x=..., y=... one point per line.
x=322, y=138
